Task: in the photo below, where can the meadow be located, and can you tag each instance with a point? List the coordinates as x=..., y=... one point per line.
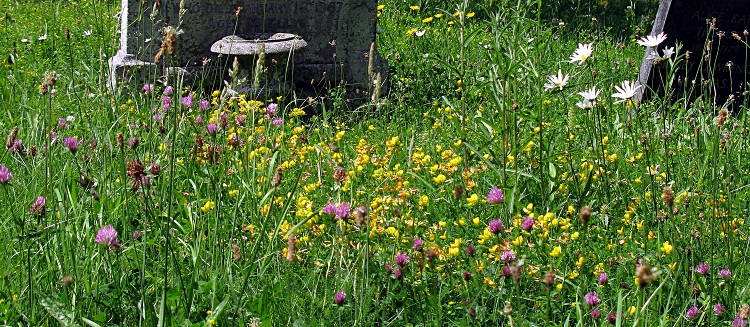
x=506, y=178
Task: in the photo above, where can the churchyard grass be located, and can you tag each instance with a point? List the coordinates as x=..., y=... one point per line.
x=506, y=178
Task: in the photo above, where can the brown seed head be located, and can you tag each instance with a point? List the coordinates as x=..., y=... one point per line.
x=458, y=192
x=291, y=244
x=585, y=215
x=722, y=117
x=360, y=216
x=339, y=175
x=646, y=274
x=744, y=311
x=429, y=254
x=120, y=141
x=276, y=180
x=10, y=141
x=668, y=196
x=549, y=278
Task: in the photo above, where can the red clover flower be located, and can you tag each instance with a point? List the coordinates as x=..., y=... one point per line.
x=691, y=313
x=418, y=244
x=339, y=298
x=591, y=299
x=495, y=226
x=343, y=210
x=702, y=268
x=37, y=208
x=108, y=236
x=495, y=196
x=5, y=175
x=528, y=222
x=72, y=144
x=402, y=259
x=718, y=309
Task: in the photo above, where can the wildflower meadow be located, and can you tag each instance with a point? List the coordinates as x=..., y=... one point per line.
x=507, y=175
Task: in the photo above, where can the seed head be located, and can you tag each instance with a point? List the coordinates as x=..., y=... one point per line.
x=10, y=141
x=291, y=243
x=646, y=274
x=585, y=215
x=668, y=196
x=549, y=278
x=276, y=180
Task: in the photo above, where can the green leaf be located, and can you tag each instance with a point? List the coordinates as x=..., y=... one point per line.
x=56, y=309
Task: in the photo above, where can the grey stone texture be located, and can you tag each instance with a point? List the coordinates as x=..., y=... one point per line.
x=338, y=35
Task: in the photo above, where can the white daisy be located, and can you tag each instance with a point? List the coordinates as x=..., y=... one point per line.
x=420, y=33
x=87, y=33
x=586, y=104
x=652, y=40
x=43, y=37
x=582, y=53
x=590, y=94
x=668, y=52
x=558, y=81
x=625, y=92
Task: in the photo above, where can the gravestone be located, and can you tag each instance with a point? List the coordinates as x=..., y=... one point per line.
x=338, y=33
x=692, y=24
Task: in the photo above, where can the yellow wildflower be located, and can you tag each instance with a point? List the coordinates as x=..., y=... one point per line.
x=556, y=251
x=666, y=248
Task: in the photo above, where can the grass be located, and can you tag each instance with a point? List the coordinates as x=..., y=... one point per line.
x=234, y=211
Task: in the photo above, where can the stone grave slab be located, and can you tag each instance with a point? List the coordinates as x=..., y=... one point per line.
x=690, y=23
x=338, y=34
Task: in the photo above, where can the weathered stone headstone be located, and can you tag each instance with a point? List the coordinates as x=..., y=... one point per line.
x=692, y=23
x=338, y=33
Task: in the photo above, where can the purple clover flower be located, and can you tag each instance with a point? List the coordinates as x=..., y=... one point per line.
x=495, y=226
x=5, y=175
x=527, y=223
x=212, y=128
x=725, y=273
x=239, y=120
x=495, y=196
x=166, y=103
x=329, y=209
x=72, y=144
x=402, y=259
x=702, y=268
x=203, y=105
x=339, y=298
x=187, y=101
x=718, y=309
x=108, y=236
x=169, y=90
x=37, y=208
x=603, y=278
x=508, y=256
x=62, y=123
x=147, y=88
x=343, y=210
x=418, y=244
x=271, y=110
x=691, y=313
x=277, y=121
x=398, y=273
x=198, y=120
x=739, y=322
x=596, y=314
x=591, y=299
